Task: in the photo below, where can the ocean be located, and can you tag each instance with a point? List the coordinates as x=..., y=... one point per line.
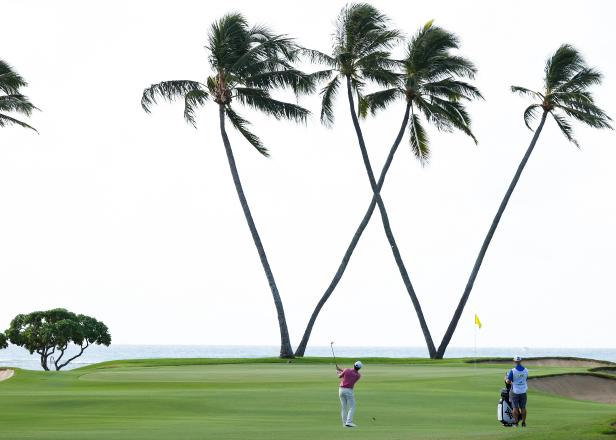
x=18, y=357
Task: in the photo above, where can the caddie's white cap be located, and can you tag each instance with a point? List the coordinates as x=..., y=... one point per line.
x=358, y=365
x=517, y=359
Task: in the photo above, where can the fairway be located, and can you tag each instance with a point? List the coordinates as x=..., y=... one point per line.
x=172, y=399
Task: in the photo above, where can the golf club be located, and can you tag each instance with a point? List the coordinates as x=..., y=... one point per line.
x=331, y=345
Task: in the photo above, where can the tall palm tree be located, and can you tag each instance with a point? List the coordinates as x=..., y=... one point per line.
x=565, y=97
x=11, y=100
x=247, y=63
x=361, y=53
x=429, y=82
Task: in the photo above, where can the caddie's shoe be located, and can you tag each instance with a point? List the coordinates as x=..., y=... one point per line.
x=350, y=425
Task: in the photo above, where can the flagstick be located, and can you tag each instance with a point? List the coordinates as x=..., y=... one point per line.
x=475, y=351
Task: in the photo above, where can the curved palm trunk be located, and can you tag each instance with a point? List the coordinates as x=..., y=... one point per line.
x=486, y=242
x=387, y=227
x=285, y=344
x=301, y=348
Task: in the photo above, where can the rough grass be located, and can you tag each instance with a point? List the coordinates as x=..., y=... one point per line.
x=273, y=399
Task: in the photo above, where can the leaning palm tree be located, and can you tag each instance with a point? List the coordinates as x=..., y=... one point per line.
x=565, y=96
x=11, y=99
x=247, y=63
x=361, y=54
x=430, y=84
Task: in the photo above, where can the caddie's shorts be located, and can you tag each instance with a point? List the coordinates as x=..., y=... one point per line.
x=518, y=400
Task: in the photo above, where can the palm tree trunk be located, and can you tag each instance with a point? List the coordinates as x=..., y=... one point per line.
x=285, y=344
x=486, y=242
x=301, y=348
x=387, y=227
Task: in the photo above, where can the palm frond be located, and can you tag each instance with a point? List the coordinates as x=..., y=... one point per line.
x=192, y=101
x=565, y=128
x=261, y=100
x=278, y=50
x=228, y=40
x=6, y=120
x=328, y=94
x=10, y=80
x=16, y=103
x=241, y=124
x=530, y=114
x=362, y=107
x=451, y=114
x=382, y=77
x=361, y=31
x=419, y=140
x=526, y=92
x=380, y=100
x=562, y=66
x=460, y=118
x=448, y=65
x=583, y=79
x=452, y=89
x=588, y=114
x=168, y=91
x=315, y=56
x=294, y=79
x=433, y=114
x=429, y=53
x=321, y=76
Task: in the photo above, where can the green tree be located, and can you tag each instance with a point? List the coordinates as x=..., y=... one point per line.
x=430, y=83
x=247, y=64
x=3, y=341
x=11, y=99
x=566, y=97
x=50, y=334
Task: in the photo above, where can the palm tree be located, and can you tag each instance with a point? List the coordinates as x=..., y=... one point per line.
x=429, y=82
x=565, y=96
x=247, y=63
x=11, y=100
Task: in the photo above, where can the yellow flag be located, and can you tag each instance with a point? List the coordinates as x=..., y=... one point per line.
x=477, y=321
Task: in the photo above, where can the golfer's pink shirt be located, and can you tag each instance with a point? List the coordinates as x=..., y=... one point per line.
x=349, y=377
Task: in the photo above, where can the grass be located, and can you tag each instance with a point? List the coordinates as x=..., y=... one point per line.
x=272, y=399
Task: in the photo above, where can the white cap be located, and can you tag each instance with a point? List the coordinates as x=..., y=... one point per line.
x=517, y=359
x=358, y=365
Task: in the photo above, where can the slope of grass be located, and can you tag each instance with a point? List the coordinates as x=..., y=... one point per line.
x=273, y=399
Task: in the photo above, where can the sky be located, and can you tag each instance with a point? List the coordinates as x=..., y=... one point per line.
x=134, y=219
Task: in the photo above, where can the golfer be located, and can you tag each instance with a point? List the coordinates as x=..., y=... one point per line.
x=518, y=377
x=349, y=377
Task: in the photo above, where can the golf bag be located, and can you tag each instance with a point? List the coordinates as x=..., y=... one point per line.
x=504, y=412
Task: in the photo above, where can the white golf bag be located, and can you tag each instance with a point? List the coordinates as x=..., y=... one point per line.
x=504, y=412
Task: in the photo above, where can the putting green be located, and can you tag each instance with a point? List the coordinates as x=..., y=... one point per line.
x=200, y=399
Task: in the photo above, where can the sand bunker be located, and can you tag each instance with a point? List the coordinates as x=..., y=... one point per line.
x=553, y=362
x=6, y=374
x=578, y=386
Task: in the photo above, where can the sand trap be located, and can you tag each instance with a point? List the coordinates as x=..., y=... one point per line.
x=6, y=374
x=578, y=386
x=552, y=362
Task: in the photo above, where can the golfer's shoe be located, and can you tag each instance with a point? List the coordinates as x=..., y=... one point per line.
x=350, y=425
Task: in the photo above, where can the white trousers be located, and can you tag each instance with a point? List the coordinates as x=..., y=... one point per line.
x=347, y=401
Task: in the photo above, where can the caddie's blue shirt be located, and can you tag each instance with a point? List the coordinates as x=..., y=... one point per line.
x=518, y=377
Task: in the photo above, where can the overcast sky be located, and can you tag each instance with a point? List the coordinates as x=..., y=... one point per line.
x=133, y=218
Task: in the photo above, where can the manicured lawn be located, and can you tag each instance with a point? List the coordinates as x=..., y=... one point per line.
x=202, y=399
